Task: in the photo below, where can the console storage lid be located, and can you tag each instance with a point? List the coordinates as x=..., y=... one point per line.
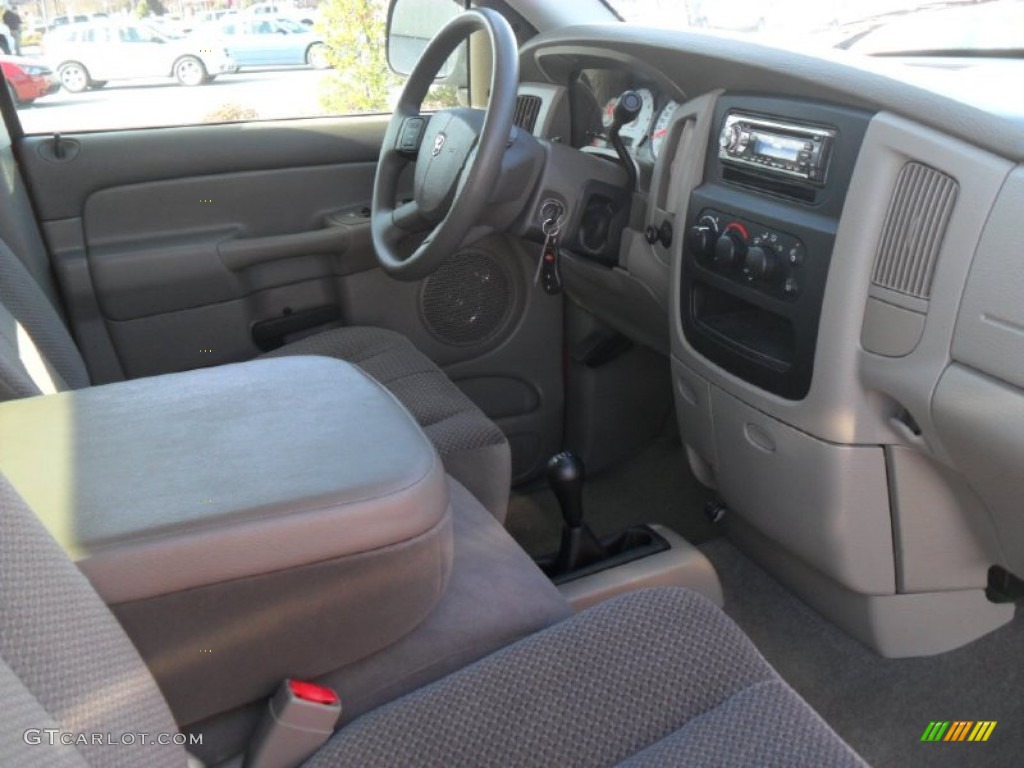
x=174, y=482
x=246, y=523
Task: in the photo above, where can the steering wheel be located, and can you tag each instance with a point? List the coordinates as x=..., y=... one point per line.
x=458, y=161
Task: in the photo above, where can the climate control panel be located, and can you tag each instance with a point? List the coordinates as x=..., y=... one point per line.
x=752, y=287
x=748, y=252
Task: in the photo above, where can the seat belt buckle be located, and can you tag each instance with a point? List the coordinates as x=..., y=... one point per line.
x=300, y=718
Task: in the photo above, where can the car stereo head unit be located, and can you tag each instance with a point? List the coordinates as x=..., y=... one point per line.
x=776, y=148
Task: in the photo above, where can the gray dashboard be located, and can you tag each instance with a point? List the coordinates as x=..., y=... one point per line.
x=698, y=63
x=883, y=486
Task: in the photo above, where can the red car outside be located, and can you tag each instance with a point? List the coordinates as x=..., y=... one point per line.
x=27, y=79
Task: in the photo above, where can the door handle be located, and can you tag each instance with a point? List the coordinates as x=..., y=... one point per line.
x=242, y=253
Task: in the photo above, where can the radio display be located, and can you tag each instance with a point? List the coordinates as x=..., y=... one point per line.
x=777, y=147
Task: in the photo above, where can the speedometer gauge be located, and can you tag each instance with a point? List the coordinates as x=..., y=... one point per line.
x=609, y=111
x=661, y=127
x=632, y=133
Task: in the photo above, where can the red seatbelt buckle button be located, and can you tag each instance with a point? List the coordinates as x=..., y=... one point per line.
x=317, y=694
x=300, y=717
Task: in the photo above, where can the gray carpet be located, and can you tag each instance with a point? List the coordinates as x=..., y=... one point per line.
x=654, y=487
x=882, y=706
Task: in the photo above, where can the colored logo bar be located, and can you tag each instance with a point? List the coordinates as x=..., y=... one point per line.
x=959, y=730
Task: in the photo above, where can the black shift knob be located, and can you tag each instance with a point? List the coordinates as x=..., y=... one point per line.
x=565, y=476
x=627, y=109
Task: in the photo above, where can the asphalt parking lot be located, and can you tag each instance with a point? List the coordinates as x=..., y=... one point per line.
x=249, y=94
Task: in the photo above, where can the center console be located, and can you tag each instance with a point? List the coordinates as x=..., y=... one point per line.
x=760, y=232
x=205, y=507
x=797, y=216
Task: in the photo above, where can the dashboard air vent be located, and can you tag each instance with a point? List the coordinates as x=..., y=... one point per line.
x=527, y=110
x=914, y=228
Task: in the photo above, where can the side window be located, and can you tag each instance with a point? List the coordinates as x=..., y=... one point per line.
x=335, y=66
x=89, y=35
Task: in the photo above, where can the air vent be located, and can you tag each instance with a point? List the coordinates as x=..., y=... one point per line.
x=527, y=110
x=914, y=228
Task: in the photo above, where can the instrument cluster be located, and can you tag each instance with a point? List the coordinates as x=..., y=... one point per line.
x=597, y=93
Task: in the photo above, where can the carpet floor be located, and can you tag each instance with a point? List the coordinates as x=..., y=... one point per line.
x=881, y=707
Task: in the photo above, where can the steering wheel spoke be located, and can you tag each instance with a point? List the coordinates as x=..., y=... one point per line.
x=410, y=136
x=408, y=218
x=458, y=152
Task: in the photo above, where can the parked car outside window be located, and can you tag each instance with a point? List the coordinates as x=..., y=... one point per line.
x=261, y=41
x=89, y=55
x=27, y=79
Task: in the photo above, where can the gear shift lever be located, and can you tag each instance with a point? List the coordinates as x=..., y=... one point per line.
x=579, y=546
x=627, y=109
x=565, y=476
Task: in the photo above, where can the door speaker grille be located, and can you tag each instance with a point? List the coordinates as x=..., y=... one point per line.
x=915, y=226
x=469, y=299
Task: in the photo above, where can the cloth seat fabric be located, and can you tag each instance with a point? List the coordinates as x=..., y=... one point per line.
x=655, y=678
x=38, y=356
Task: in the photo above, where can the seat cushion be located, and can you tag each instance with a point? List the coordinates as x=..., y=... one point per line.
x=660, y=677
x=474, y=450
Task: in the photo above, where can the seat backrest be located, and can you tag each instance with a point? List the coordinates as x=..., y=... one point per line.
x=37, y=353
x=66, y=664
x=18, y=225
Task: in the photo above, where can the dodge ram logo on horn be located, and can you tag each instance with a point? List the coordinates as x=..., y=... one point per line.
x=439, y=141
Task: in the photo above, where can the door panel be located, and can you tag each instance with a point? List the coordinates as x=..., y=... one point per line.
x=181, y=248
x=140, y=224
x=98, y=161
x=144, y=239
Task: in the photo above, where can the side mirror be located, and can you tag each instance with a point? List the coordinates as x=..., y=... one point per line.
x=412, y=24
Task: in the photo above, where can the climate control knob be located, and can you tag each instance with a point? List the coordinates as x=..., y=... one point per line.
x=760, y=263
x=730, y=249
x=701, y=237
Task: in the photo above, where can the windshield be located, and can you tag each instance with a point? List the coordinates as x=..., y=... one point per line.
x=872, y=27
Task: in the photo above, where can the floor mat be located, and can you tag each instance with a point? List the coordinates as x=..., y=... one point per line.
x=882, y=706
x=654, y=487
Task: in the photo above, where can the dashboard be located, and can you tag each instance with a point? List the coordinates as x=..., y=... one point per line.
x=824, y=249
